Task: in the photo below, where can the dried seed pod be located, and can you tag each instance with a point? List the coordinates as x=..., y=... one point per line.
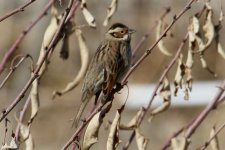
x=110, y=11
x=179, y=143
x=87, y=15
x=92, y=130
x=161, y=45
x=142, y=142
x=215, y=141
x=113, y=138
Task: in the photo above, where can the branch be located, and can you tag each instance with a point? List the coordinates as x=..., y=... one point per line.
x=166, y=70
x=37, y=69
x=14, y=47
x=14, y=67
x=81, y=127
x=146, y=35
x=215, y=134
x=87, y=120
x=205, y=112
x=18, y=9
x=187, y=7
x=175, y=18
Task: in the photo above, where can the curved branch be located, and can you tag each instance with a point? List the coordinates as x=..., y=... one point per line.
x=20, y=38
x=38, y=68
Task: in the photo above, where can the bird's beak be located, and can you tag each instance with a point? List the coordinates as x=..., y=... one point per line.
x=131, y=31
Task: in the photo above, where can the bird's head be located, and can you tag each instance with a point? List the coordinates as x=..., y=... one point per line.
x=119, y=32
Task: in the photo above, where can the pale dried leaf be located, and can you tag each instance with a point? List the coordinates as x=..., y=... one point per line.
x=161, y=108
x=220, y=50
x=209, y=31
x=110, y=11
x=189, y=78
x=165, y=92
x=179, y=74
x=215, y=141
x=142, y=142
x=190, y=60
x=50, y=31
x=87, y=15
x=92, y=130
x=84, y=54
x=26, y=136
x=186, y=93
x=195, y=25
x=205, y=66
x=221, y=16
x=188, y=71
x=34, y=96
x=113, y=138
x=91, y=133
x=179, y=143
x=208, y=27
x=133, y=122
x=11, y=146
x=193, y=29
x=161, y=44
x=54, y=11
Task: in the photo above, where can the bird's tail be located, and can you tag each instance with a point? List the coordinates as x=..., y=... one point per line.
x=79, y=114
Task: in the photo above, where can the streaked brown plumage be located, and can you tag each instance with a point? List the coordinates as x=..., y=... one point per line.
x=109, y=64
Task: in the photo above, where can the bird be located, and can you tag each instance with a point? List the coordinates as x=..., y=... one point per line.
x=110, y=63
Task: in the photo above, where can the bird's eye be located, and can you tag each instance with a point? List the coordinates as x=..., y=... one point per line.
x=122, y=32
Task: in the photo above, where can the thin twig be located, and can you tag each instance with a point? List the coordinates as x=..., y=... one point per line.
x=81, y=127
x=37, y=69
x=17, y=10
x=14, y=67
x=167, y=144
x=20, y=38
x=205, y=112
x=25, y=107
x=159, y=83
x=22, y=114
x=146, y=35
x=211, y=138
x=191, y=126
x=175, y=18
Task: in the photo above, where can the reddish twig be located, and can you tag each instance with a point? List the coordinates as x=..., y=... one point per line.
x=211, y=138
x=22, y=114
x=146, y=35
x=14, y=67
x=167, y=144
x=37, y=69
x=25, y=107
x=177, y=133
x=192, y=125
x=205, y=112
x=175, y=18
x=81, y=127
x=18, y=9
x=159, y=83
x=15, y=45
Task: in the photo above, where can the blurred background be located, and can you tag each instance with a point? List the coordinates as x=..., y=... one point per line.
x=52, y=128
